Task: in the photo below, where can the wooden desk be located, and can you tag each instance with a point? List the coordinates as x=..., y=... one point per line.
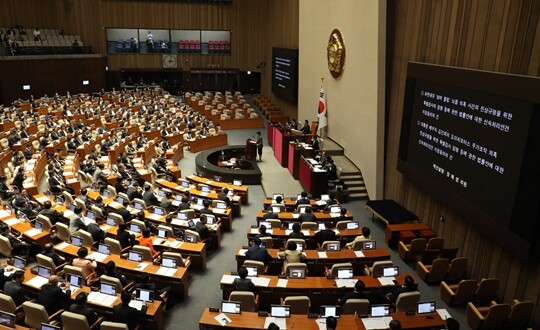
x=320, y=290
x=37, y=168
x=179, y=281
x=293, y=216
x=147, y=152
x=280, y=236
x=314, y=181
x=241, y=123
x=316, y=264
x=296, y=151
x=242, y=191
x=208, y=142
x=18, y=227
x=175, y=153
x=290, y=204
x=251, y=321
x=392, y=232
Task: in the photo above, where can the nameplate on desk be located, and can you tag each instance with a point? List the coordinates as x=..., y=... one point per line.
x=213, y=309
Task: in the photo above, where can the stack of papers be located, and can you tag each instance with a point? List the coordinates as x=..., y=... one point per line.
x=101, y=299
x=346, y=283
x=115, y=205
x=42, y=199
x=242, y=252
x=136, y=304
x=443, y=313
x=12, y=222
x=387, y=280
x=179, y=222
x=322, y=254
x=260, y=281
x=154, y=216
x=228, y=279
x=306, y=232
x=61, y=246
x=296, y=215
x=37, y=282
x=105, y=227
x=166, y=271
x=376, y=323
x=282, y=283
x=142, y=266
x=320, y=203
x=175, y=244
x=32, y=232
x=98, y=256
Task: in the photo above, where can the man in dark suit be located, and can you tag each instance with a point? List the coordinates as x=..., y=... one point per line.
x=134, y=191
x=327, y=234
x=148, y=196
x=49, y=252
x=18, y=247
x=166, y=203
x=79, y=307
x=52, y=297
x=256, y=252
x=223, y=196
x=408, y=286
x=303, y=199
x=307, y=216
x=184, y=204
x=14, y=290
x=124, y=212
x=124, y=313
x=124, y=237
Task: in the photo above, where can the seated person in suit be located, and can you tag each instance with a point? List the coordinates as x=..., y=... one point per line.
x=49, y=252
x=308, y=216
x=222, y=157
x=124, y=212
x=296, y=232
x=18, y=246
x=366, y=235
x=291, y=254
x=124, y=313
x=243, y=283
x=148, y=196
x=79, y=307
x=358, y=293
x=110, y=270
x=53, y=215
x=223, y=196
x=184, y=204
x=14, y=290
x=168, y=223
x=76, y=222
x=166, y=203
x=303, y=199
x=124, y=237
x=52, y=297
x=262, y=232
x=98, y=234
x=256, y=252
x=270, y=215
x=206, y=208
x=327, y=234
x=408, y=286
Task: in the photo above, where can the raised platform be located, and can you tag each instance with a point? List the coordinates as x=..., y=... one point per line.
x=206, y=163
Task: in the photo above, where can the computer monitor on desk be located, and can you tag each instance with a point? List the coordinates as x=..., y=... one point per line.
x=330, y=310
x=159, y=210
x=107, y=288
x=77, y=241
x=252, y=271
x=237, y=182
x=19, y=263
x=104, y=248
x=369, y=245
x=44, y=271
x=7, y=319
x=161, y=233
x=280, y=311
x=168, y=262
x=274, y=196
x=190, y=238
x=135, y=228
x=138, y=206
x=296, y=273
x=144, y=295
x=276, y=209
x=230, y=307
x=425, y=307
x=135, y=256
x=390, y=271
x=74, y=280
x=380, y=310
x=45, y=326
x=345, y=273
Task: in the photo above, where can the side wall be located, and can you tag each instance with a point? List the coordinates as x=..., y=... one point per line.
x=500, y=36
x=355, y=102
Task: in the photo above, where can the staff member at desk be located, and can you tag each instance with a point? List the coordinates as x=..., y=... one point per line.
x=124, y=313
x=366, y=235
x=243, y=283
x=291, y=254
x=79, y=307
x=52, y=297
x=256, y=252
x=14, y=290
x=327, y=234
x=222, y=157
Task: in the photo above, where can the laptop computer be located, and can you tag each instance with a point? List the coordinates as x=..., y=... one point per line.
x=138, y=206
x=144, y=295
x=38, y=225
x=425, y=307
x=280, y=311
x=276, y=209
x=77, y=241
x=74, y=280
x=184, y=184
x=369, y=245
x=353, y=225
x=161, y=193
x=330, y=310
x=135, y=256
x=390, y=271
x=7, y=319
x=135, y=228
x=325, y=197
x=345, y=273
x=252, y=271
x=237, y=182
x=380, y=310
x=120, y=200
x=221, y=205
x=111, y=221
x=297, y=273
x=45, y=326
x=19, y=263
x=168, y=262
x=107, y=288
x=333, y=246
x=159, y=210
x=104, y=248
x=182, y=216
x=44, y=271
x=205, y=189
x=162, y=233
x=230, y=307
x=90, y=215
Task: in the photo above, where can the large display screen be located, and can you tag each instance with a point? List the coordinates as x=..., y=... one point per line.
x=285, y=73
x=468, y=137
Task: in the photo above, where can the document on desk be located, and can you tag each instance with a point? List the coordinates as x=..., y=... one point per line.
x=136, y=304
x=387, y=280
x=105, y=227
x=142, y=266
x=37, y=282
x=320, y=203
x=61, y=246
x=322, y=254
x=346, y=283
x=281, y=322
x=376, y=322
x=223, y=319
x=166, y=271
x=203, y=193
x=42, y=199
x=260, y=281
x=115, y=205
x=254, y=231
x=101, y=299
x=296, y=215
x=12, y=222
x=305, y=232
x=68, y=214
x=32, y=232
x=228, y=279
x=282, y=283
x=359, y=254
x=179, y=222
x=154, y=217
x=443, y=313
x=242, y=252
x=175, y=244
x=98, y=256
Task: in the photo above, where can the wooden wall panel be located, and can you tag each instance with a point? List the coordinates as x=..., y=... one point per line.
x=494, y=35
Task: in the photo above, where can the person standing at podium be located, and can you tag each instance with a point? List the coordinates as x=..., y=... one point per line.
x=259, y=143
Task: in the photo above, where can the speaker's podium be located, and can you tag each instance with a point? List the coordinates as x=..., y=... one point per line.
x=251, y=150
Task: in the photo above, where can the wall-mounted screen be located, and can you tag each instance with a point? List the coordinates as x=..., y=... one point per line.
x=469, y=138
x=285, y=73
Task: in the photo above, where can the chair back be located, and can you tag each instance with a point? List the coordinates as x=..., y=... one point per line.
x=341, y=225
x=80, y=203
x=487, y=290
x=108, y=325
x=146, y=252
x=116, y=247
x=112, y=191
x=297, y=241
x=308, y=225
x=5, y=247
x=63, y=231
x=407, y=301
x=336, y=267
x=34, y=315
x=456, y=271
x=255, y=263
x=169, y=230
x=190, y=214
x=299, y=304
x=275, y=223
x=114, y=281
x=117, y=218
x=325, y=245
x=435, y=243
x=140, y=201
x=377, y=268
x=520, y=314
x=87, y=239
x=496, y=316
x=124, y=196
x=97, y=210
x=429, y=255
x=74, y=321
x=306, y=206
x=438, y=270
x=358, y=306
x=176, y=255
x=7, y=304
x=46, y=261
x=281, y=206
x=268, y=241
x=68, y=198
x=465, y=292
x=417, y=246
x=246, y=299
x=69, y=269
x=194, y=233
x=139, y=223
x=294, y=265
x=448, y=253
x=47, y=224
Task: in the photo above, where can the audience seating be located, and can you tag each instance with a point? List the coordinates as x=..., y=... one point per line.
x=358, y=306
x=336, y=267
x=46, y=261
x=435, y=272
x=487, y=291
x=409, y=252
x=74, y=321
x=248, y=300
x=63, y=232
x=108, y=325
x=7, y=305
x=458, y=294
x=5, y=247
x=116, y=247
x=377, y=267
x=407, y=301
x=456, y=270
x=435, y=243
x=294, y=265
x=428, y=256
x=520, y=314
x=299, y=304
x=492, y=317
x=35, y=315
